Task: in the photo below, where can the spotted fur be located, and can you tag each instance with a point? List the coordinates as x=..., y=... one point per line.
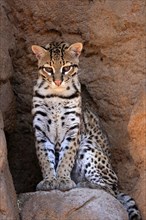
x=93, y=166
x=56, y=113
x=62, y=146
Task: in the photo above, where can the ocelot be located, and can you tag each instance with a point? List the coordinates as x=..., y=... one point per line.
x=62, y=145
x=57, y=111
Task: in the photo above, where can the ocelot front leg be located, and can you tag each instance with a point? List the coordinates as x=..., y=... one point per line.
x=45, y=153
x=67, y=155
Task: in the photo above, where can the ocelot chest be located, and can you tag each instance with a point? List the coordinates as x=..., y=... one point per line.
x=62, y=116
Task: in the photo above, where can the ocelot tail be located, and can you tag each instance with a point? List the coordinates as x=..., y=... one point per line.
x=62, y=146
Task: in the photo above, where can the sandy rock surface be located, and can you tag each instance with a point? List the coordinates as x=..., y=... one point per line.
x=137, y=133
x=79, y=204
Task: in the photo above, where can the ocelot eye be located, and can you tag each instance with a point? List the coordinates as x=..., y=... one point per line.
x=66, y=68
x=48, y=70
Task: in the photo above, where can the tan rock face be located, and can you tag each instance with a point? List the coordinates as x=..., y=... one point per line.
x=8, y=204
x=112, y=76
x=7, y=100
x=7, y=43
x=7, y=106
x=137, y=133
x=76, y=204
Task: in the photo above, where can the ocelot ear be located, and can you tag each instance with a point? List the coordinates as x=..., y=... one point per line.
x=38, y=51
x=75, y=49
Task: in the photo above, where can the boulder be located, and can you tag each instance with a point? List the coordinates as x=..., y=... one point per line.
x=79, y=204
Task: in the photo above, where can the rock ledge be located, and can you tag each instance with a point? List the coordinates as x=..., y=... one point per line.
x=79, y=204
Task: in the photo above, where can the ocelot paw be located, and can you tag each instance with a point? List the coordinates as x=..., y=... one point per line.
x=65, y=183
x=46, y=185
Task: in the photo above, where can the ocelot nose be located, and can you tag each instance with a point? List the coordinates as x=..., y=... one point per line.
x=58, y=82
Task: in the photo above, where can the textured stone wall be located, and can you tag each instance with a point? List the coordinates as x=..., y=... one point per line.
x=7, y=42
x=112, y=76
x=8, y=202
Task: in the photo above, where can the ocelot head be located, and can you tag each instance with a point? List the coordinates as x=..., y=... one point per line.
x=58, y=62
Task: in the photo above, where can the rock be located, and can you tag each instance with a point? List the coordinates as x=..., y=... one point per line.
x=7, y=106
x=137, y=133
x=7, y=43
x=7, y=100
x=8, y=203
x=76, y=204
